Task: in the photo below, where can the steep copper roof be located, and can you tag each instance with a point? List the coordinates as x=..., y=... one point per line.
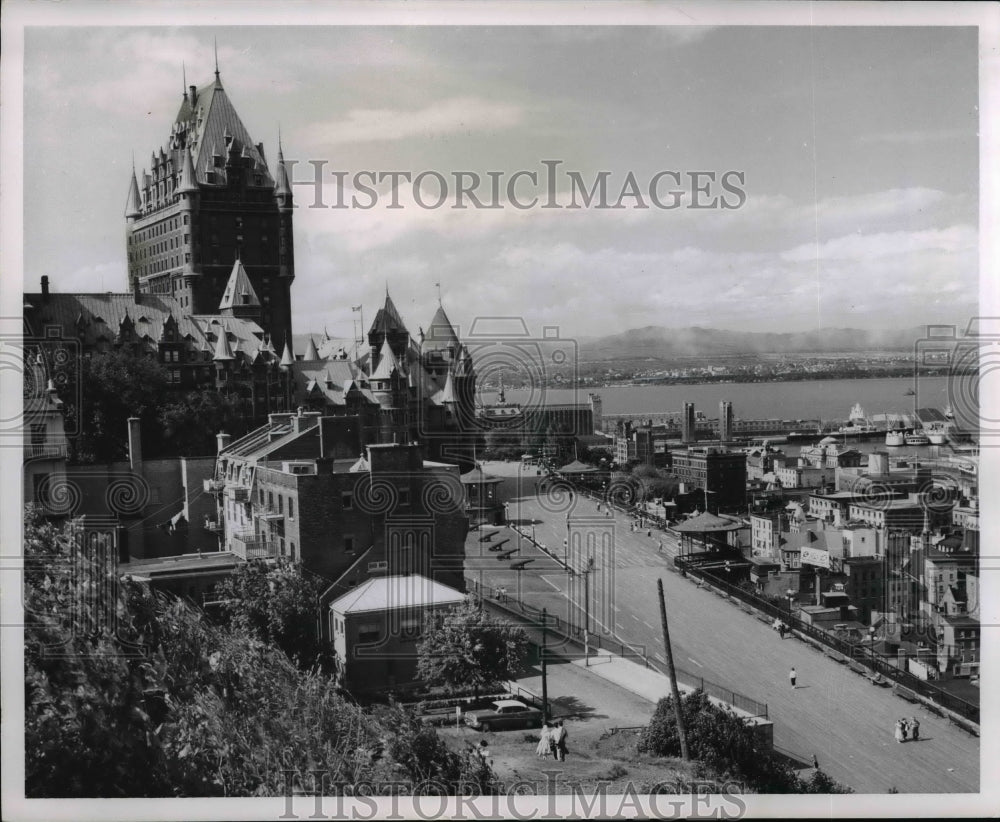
x=133, y=207
x=387, y=319
x=387, y=363
x=204, y=125
x=441, y=333
x=239, y=290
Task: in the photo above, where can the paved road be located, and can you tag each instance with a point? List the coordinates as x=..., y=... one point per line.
x=833, y=713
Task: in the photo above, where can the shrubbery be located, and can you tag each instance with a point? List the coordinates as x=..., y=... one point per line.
x=727, y=745
x=152, y=699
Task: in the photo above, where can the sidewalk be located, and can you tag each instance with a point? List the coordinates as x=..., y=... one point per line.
x=650, y=684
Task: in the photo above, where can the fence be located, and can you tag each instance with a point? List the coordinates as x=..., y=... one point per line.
x=572, y=633
x=853, y=651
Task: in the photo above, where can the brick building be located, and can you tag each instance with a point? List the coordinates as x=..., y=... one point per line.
x=297, y=488
x=722, y=473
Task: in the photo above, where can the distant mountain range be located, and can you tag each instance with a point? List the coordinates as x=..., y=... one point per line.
x=657, y=342
x=661, y=343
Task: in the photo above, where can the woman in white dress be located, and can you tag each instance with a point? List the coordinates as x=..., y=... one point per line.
x=544, y=744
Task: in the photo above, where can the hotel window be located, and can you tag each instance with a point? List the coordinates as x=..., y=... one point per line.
x=348, y=545
x=291, y=508
x=281, y=504
x=347, y=500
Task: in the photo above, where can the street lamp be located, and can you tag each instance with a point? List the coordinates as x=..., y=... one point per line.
x=790, y=594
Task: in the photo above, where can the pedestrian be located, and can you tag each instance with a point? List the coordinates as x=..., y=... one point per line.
x=554, y=741
x=561, y=735
x=900, y=731
x=791, y=677
x=781, y=630
x=543, y=748
x=660, y=546
x=914, y=729
x=649, y=533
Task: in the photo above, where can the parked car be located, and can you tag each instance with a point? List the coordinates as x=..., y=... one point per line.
x=505, y=715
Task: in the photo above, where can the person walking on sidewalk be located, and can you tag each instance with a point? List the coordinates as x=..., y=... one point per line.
x=900, y=732
x=914, y=729
x=792, y=676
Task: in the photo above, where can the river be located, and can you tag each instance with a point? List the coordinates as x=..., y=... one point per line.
x=804, y=399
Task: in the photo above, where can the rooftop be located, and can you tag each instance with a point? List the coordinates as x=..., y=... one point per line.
x=386, y=593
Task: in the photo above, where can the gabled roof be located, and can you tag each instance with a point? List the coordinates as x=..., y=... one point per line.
x=388, y=593
x=239, y=290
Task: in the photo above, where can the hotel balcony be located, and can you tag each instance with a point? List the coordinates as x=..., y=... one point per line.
x=248, y=545
x=213, y=486
x=214, y=526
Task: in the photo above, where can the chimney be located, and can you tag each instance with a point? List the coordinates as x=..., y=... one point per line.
x=222, y=440
x=45, y=288
x=134, y=445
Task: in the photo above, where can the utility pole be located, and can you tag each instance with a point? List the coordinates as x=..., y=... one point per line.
x=674, y=692
x=545, y=680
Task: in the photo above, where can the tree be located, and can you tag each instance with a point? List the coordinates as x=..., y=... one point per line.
x=466, y=647
x=728, y=745
x=159, y=701
x=278, y=604
x=114, y=386
x=191, y=422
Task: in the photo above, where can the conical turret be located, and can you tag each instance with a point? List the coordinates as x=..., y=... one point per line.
x=189, y=183
x=311, y=354
x=133, y=207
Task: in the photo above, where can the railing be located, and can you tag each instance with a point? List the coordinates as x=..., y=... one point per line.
x=213, y=525
x=37, y=450
x=570, y=632
x=213, y=486
x=251, y=546
x=854, y=651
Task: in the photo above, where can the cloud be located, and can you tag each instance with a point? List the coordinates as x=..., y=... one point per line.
x=440, y=118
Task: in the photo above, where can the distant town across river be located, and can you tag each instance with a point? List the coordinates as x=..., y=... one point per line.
x=809, y=399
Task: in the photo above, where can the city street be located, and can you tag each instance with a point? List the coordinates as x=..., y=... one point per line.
x=833, y=713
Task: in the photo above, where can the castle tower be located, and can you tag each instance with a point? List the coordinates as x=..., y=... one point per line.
x=207, y=199
x=388, y=326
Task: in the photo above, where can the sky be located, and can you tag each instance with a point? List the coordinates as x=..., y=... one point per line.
x=858, y=149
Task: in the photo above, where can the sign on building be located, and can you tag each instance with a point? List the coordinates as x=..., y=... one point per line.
x=816, y=556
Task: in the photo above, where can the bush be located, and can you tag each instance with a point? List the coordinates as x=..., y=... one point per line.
x=726, y=744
